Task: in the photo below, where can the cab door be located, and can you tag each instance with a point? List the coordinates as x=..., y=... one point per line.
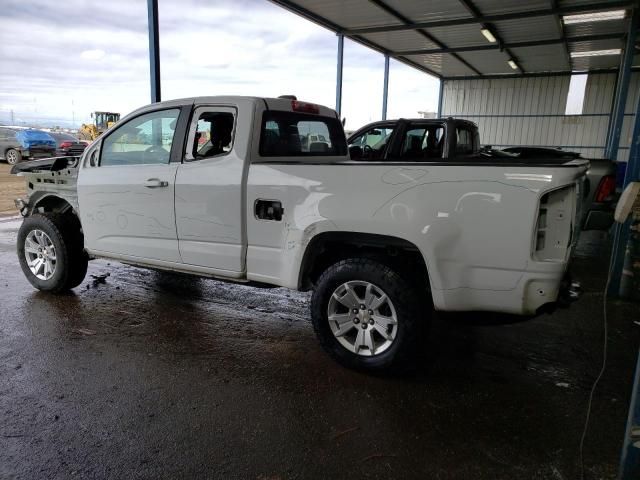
x=126, y=192
x=210, y=194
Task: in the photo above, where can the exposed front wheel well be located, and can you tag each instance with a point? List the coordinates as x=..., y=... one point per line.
x=51, y=204
x=326, y=249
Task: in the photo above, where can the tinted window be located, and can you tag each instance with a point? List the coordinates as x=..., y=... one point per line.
x=464, y=141
x=371, y=144
x=146, y=139
x=286, y=134
x=424, y=142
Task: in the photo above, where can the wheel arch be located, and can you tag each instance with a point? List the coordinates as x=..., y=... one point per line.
x=327, y=248
x=49, y=202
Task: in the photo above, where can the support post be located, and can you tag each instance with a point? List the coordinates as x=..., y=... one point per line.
x=385, y=87
x=154, y=50
x=339, y=74
x=621, y=235
x=440, y=97
x=622, y=88
x=630, y=458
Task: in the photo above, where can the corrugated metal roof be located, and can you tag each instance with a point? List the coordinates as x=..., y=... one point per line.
x=443, y=37
x=351, y=14
x=490, y=61
x=400, y=41
x=441, y=63
x=429, y=11
x=548, y=58
x=492, y=7
x=597, y=28
x=525, y=29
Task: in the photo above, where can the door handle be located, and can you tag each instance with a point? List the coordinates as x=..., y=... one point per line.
x=155, y=183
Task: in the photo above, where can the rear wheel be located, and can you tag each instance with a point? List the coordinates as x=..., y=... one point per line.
x=51, y=251
x=368, y=316
x=13, y=156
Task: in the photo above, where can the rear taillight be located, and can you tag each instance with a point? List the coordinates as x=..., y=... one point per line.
x=606, y=188
x=554, y=228
x=66, y=144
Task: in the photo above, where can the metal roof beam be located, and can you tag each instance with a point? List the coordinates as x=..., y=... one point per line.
x=529, y=43
x=560, y=25
x=576, y=9
x=473, y=10
x=394, y=13
x=556, y=73
x=323, y=22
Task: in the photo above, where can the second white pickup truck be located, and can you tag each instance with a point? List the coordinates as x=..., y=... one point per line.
x=240, y=189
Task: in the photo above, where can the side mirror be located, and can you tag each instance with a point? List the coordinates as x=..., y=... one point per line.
x=344, y=121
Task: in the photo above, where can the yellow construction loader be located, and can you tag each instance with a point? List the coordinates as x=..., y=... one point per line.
x=101, y=122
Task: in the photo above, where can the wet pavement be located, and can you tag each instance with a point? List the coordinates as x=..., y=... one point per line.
x=149, y=375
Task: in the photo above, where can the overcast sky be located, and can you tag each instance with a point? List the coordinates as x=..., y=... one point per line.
x=62, y=60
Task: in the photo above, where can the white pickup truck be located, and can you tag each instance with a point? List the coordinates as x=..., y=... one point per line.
x=222, y=187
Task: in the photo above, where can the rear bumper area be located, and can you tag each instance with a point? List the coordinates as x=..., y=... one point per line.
x=534, y=291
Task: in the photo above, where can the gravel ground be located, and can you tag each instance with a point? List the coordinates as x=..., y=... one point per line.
x=11, y=187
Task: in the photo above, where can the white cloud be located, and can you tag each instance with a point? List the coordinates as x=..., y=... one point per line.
x=96, y=54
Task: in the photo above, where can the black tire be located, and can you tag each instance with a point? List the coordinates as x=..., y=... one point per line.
x=71, y=259
x=412, y=310
x=13, y=156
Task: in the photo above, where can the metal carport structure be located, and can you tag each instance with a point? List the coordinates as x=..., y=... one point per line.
x=499, y=40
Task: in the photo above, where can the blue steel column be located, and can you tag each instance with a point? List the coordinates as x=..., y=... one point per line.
x=385, y=87
x=630, y=458
x=440, y=97
x=622, y=231
x=154, y=50
x=339, y=75
x=624, y=75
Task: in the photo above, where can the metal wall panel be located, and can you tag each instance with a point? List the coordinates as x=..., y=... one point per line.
x=530, y=111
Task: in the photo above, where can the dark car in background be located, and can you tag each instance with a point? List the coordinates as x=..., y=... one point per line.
x=67, y=145
x=17, y=144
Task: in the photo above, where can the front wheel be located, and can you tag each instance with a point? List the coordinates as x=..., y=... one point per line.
x=13, y=156
x=51, y=251
x=368, y=316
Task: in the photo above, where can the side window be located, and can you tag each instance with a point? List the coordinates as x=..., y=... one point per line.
x=371, y=144
x=146, y=139
x=211, y=132
x=464, y=141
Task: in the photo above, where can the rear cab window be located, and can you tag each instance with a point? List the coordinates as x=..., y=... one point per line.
x=294, y=134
